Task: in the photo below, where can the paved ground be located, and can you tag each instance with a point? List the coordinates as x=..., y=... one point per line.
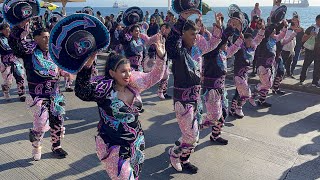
x=282, y=142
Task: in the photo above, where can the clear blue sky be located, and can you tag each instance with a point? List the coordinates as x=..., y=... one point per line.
x=163, y=3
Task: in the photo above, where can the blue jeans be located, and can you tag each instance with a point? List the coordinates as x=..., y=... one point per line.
x=296, y=58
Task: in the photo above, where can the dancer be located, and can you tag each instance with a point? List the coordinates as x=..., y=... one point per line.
x=243, y=59
x=215, y=71
x=165, y=29
x=10, y=66
x=120, y=141
x=185, y=47
x=45, y=100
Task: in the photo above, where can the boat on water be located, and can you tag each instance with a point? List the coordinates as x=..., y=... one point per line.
x=296, y=3
x=117, y=4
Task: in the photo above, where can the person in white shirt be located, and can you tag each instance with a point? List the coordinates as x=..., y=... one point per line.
x=275, y=7
x=288, y=49
x=100, y=17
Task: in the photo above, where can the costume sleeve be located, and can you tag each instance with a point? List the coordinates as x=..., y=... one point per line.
x=281, y=35
x=19, y=44
x=172, y=42
x=95, y=89
x=234, y=48
x=149, y=40
x=288, y=38
x=210, y=44
x=142, y=81
x=258, y=39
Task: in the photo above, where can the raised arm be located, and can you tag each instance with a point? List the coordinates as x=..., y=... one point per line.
x=95, y=89
x=281, y=35
x=213, y=40
x=257, y=40
x=234, y=48
x=142, y=81
x=17, y=41
x=149, y=40
x=288, y=38
x=173, y=38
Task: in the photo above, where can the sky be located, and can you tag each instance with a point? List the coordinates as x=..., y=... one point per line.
x=164, y=3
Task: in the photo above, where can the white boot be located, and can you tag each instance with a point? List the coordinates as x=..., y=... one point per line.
x=36, y=153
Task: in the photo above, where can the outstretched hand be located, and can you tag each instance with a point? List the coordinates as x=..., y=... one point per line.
x=160, y=47
x=218, y=18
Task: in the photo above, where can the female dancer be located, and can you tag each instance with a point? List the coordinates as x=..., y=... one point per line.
x=185, y=47
x=120, y=140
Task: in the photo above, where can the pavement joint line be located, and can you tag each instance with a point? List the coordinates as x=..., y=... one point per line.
x=289, y=171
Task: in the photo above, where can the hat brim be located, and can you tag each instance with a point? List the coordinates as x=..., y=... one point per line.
x=8, y=14
x=179, y=6
x=279, y=14
x=130, y=11
x=68, y=26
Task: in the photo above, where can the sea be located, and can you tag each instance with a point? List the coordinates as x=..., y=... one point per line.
x=307, y=15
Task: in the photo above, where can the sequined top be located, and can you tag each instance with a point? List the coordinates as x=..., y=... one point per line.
x=42, y=73
x=119, y=124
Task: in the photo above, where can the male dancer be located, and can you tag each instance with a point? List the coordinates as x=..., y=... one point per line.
x=243, y=59
x=45, y=99
x=185, y=47
x=10, y=66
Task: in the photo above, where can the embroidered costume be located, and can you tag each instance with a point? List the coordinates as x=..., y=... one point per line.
x=10, y=68
x=120, y=141
x=186, y=69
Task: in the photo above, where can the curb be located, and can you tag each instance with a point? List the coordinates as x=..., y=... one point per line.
x=295, y=87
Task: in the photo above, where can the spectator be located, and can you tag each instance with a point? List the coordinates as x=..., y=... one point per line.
x=170, y=19
x=108, y=23
x=156, y=14
x=100, y=17
x=256, y=11
x=147, y=17
x=162, y=15
x=288, y=49
x=153, y=27
x=297, y=49
x=254, y=22
x=310, y=54
x=275, y=7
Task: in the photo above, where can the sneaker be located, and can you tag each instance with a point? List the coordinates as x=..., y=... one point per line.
x=301, y=83
x=291, y=76
x=7, y=96
x=161, y=96
x=175, y=160
x=219, y=140
x=239, y=113
x=190, y=168
x=36, y=153
x=317, y=85
x=264, y=104
x=22, y=98
x=278, y=92
x=59, y=153
x=167, y=96
x=69, y=90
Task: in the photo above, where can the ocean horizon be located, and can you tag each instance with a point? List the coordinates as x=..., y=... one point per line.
x=307, y=15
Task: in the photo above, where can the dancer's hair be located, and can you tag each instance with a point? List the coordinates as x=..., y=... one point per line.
x=4, y=26
x=39, y=31
x=189, y=25
x=113, y=62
